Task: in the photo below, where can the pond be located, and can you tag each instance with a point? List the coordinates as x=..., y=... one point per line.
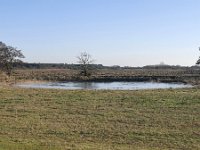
x=104, y=85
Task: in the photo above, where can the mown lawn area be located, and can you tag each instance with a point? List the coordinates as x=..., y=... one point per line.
x=41, y=119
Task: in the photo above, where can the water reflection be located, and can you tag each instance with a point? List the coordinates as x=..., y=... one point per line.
x=104, y=85
x=86, y=85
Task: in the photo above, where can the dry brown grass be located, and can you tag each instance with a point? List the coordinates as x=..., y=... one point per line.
x=59, y=119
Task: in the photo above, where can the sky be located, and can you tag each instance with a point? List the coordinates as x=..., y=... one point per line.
x=113, y=32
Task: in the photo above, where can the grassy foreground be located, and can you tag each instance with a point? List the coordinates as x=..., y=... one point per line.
x=32, y=119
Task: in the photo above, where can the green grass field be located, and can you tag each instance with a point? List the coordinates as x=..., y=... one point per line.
x=34, y=119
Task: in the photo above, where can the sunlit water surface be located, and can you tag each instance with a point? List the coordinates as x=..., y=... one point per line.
x=104, y=85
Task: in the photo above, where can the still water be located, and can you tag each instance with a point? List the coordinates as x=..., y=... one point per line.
x=104, y=85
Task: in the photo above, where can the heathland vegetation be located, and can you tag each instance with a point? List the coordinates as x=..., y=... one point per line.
x=72, y=73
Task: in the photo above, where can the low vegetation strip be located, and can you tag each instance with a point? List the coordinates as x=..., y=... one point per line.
x=159, y=75
x=59, y=119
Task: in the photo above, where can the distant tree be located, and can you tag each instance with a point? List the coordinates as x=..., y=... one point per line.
x=8, y=56
x=85, y=60
x=198, y=61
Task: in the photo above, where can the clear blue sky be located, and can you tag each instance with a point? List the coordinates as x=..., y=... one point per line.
x=114, y=32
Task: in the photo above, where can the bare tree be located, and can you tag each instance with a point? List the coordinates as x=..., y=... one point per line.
x=85, y=60
x=8, y=56
x=198, y=61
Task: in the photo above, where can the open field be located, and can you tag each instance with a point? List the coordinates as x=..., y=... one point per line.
x=34, y=119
